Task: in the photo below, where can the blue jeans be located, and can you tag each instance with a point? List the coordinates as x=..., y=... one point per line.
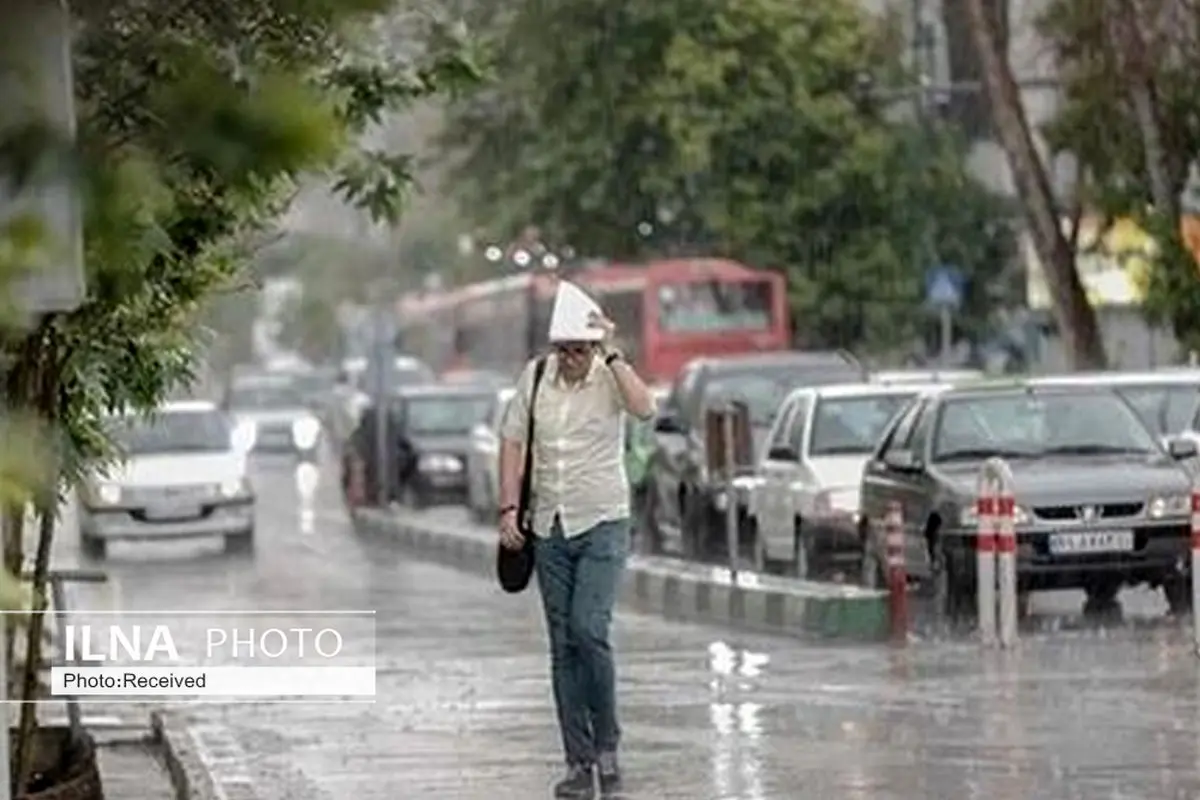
x=579, y=579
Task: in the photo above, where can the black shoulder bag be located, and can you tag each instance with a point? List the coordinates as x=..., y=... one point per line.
x=514, y=568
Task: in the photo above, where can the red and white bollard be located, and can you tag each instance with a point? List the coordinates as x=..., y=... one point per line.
x=1195, y=575
x=985, y=561
x=1006, y=565
x=996, y=554
x=897, y=571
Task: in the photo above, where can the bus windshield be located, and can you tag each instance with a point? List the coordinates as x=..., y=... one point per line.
x=710, y=306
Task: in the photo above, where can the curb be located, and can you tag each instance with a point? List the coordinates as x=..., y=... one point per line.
x=189, y=777
x=674, y=589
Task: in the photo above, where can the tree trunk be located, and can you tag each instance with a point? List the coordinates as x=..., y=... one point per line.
x=1075, y=316
x=1131, y=47
x=47, y=506
x=14, y=557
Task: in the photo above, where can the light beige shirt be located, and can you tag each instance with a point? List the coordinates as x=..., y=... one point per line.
x=578, y=448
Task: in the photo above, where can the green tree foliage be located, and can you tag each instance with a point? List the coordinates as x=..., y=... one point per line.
x=630, y=129
x=196, y=123
x=1103, y=64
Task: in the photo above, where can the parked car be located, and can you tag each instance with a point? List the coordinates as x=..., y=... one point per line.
x=1168, y=401
x=483, y=460
x=927, y=376
x=1101, y=502
x=639, y=448
x=429, y=433
x=272, y=417
x=181, y=477
x=805, y=499
x=685, y=506
x=353, y=390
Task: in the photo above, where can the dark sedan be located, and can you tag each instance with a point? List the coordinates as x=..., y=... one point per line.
x=428, y=438
x=685, y=506
x=1101, y=502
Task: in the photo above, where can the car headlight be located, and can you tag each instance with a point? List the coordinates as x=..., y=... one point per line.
x=305, y=432
x=108, y=493
x=968, y=516
x=1169, y=505
x=245, y=434
x=235, y=487
x=436, y=462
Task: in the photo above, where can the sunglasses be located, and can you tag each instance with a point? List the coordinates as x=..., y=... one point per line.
x=573, y=349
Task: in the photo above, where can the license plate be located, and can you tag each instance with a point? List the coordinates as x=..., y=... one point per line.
x=171, y=511
x=1091, y=542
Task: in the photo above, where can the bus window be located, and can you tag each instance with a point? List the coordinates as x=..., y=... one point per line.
x=698, y=306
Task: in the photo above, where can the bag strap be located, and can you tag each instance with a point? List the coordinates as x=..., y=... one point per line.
x=527, y=473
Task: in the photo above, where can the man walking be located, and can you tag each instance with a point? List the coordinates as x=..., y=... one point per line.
x=581, y=519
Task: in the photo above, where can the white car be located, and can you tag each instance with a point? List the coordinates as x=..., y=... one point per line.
x=271, y=417
x=182, y=476
x=804, y=495
x=483, y=460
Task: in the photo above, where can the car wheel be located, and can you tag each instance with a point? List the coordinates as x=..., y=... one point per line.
x=240, y=542
x=411, y=497
x=649, y=529
x=1177, y=591
x=93, y=546
x=804, y=564
x=951, y=592
x=694, y=530
x=1102, y=593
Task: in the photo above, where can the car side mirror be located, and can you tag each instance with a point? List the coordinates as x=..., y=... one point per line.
x=903, y=461
x=1182, y=448
x=668, y=423
x=782, y=453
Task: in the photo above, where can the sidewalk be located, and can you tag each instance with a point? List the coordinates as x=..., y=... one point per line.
x=133, y=769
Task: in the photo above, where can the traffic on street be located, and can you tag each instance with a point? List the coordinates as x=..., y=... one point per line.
x=463, y=708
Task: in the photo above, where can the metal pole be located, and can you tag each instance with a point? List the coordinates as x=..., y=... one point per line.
x=5, y=762
x=382, y=358
x=1195, y=574
x=947, y=319
x=731, y=500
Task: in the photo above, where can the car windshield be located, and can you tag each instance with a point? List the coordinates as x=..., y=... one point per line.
x=1165, y=409
x=251, y=397
x=1036, y=425
x=765, y=388
x=447, y=415
x=852, y=425
x=202, y=431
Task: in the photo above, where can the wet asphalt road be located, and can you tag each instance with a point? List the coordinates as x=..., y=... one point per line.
x=1107, y=709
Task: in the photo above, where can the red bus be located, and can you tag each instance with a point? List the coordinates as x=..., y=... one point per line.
x=666, y=312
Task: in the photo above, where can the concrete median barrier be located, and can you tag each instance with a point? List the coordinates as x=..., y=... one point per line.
x=669, y=587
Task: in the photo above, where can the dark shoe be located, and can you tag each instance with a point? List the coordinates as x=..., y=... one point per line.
x=610, y=774
x=578, y=785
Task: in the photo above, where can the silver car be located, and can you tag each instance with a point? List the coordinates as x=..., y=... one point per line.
x=181, y=477
x=483, y=460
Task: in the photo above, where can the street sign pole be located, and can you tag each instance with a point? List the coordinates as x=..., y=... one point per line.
x=381, y=358
x=944, y=293
x=947, y=320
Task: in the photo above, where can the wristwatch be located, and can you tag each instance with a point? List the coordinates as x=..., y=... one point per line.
x=612, y=357
x=505, y=510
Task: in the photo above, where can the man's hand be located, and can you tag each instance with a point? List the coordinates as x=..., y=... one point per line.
x=510, y=535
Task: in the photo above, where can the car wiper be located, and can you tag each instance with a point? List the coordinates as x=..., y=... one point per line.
x=1094, y=450
x=980, y=453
